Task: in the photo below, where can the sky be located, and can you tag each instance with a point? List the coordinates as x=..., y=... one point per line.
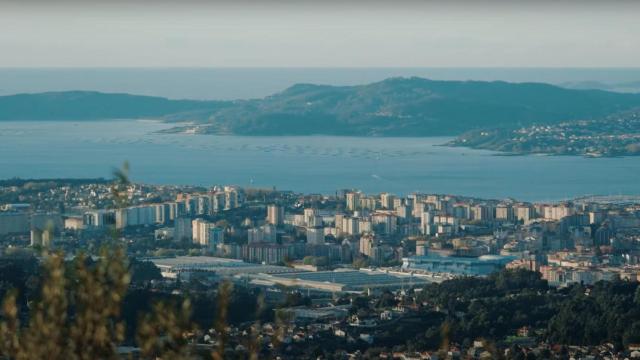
x=329, y=33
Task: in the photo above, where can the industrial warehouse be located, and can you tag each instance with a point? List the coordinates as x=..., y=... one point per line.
x=341, y=280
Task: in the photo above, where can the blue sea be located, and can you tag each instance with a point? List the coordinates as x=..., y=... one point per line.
x=307, y=164
x=242, y=83
x=314, y=164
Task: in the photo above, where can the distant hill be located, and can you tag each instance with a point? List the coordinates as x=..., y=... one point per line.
x=393, y=107
x=89, y=105
x=625, y=87
x=413, y=107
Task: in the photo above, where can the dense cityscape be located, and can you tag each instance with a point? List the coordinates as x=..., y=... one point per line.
x=324, y=180
x=351, y=275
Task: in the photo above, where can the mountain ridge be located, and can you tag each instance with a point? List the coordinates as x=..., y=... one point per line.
x=392, y=107
x=91, y=105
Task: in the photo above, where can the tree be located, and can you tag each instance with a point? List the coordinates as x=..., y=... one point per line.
x=78, y=313
x=360, y=263
x=143, y=271
x=308, y=260
x=75, y=318
x=387, y=299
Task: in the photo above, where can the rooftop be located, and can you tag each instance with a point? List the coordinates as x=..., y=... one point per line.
x=349, y=280
x=218, y=265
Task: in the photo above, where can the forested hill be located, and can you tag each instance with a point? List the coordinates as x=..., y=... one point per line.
x=414, y=107
x=393, y=107
x=90, y=105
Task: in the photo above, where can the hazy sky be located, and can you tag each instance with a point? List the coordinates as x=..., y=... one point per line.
x=319, y=34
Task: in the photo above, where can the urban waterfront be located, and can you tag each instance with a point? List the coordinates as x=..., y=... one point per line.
x=328, y=180
x=307, y=164
x=351, y=275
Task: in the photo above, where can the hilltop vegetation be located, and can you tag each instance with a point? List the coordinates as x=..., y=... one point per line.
x=393, y=107
x=90, y=105
x=412, y=107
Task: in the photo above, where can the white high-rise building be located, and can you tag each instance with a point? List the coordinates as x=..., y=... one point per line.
x=418, y=209
x=353, y=201
x=136, y=216
x=481, y=212
x=504, y=212
x=162, y=213
x=387, y=201
x=556, y=212
x=367, y=243
x=309, y=216
x=338, y=220
x=426, y=220
x=403, y=211
x=523, y=212
x=350, y=225
x=275, y=215
x=387, y=222
x=216, y=202
x=369, y=203
x=364, y=225
x=233, y=197
x=200, y=231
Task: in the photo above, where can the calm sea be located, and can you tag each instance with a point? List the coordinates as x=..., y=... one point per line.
x=241, y=83
x=317, y=164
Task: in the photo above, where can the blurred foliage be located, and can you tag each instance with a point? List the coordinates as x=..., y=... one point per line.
x=120, y=186
x=80, y=309
x=73, y=318
x=76, y=314
x=162, y=333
